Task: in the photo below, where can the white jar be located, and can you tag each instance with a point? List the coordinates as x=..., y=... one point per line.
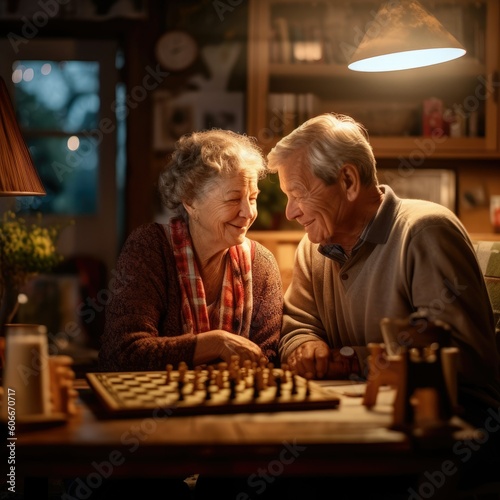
x=26, y=377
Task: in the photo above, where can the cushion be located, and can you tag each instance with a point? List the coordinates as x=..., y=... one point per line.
x=488, y=254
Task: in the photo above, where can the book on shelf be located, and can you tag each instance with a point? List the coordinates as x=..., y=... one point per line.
x=281, y=45
x=286, y=111
x=295, y=41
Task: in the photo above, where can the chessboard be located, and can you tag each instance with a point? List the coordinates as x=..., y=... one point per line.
x=208, y=390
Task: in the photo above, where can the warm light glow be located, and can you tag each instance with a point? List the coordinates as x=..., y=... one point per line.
x=73, y=143
x=406, y=60
x=307, y=51
x=22, y=298
x=28, y=74
x=17, y=75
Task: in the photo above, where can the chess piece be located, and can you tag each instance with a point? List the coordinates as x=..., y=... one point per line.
x=259, y=377
x=386, y=370
x=278, y=386
x=308, y=377
x=294, y=383
x=284, y=373
x=182, y=371
x=219, y=379
x=247, y=365
x=63, y=394
x=180, y=389
x=271, y=379
x=208, y=394
x=256, y=387
x=169, y=369
x=262, y=363
x=232, y=389
x=196, y=379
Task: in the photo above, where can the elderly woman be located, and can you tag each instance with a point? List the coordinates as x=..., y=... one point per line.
x=197, y=289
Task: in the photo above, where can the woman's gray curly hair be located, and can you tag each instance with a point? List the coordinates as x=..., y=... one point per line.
x=202, y=157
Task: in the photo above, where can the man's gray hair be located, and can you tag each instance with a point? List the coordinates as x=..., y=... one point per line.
x=325, y=143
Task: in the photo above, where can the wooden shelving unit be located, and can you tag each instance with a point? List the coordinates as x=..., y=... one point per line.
x=469, y=84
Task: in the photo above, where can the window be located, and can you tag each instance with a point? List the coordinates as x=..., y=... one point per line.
x=58, y=106
x=66, y=94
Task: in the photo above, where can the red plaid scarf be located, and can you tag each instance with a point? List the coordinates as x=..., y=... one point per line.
x=236, y=294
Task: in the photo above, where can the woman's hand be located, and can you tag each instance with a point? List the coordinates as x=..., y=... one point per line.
x=220, y=344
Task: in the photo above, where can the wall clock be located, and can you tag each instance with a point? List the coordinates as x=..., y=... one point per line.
x=176, y=50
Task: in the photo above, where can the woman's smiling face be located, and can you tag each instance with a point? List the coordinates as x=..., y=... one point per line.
x=223, y=213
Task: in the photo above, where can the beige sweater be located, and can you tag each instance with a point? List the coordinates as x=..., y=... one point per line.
x=416, y=254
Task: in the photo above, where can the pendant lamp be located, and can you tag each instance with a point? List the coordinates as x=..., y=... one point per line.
x=404, y=35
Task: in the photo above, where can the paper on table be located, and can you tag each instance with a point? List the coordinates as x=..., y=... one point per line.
x=346, y=387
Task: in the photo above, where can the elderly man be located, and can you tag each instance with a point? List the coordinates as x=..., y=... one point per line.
x=368, y=254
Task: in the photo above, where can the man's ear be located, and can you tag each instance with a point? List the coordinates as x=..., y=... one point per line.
x=351, y=182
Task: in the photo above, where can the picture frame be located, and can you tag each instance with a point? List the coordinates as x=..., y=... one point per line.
x=175, y=116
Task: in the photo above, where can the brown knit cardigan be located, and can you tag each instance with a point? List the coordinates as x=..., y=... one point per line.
x=143, y=328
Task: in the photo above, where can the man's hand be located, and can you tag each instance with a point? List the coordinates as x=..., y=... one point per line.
x=310, y=359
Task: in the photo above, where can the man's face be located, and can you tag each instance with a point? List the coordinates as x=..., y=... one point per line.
x=319, y=208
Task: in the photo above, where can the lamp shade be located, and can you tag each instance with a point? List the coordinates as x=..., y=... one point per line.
x=18, y=176
x=404, y=35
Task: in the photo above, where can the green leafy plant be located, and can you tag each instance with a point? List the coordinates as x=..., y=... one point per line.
x=26, y=249
x=271, y=204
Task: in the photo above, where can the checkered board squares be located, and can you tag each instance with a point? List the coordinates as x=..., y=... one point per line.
x=200, y=392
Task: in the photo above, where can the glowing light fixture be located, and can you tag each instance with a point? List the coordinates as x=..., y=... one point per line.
x=18, y=176
x=404, y=35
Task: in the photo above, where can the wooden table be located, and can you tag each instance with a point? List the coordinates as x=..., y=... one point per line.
x=348, y=441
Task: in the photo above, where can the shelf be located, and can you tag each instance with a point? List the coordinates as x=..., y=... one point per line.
x=417, y=149
x=458, y=83
x=391, y=104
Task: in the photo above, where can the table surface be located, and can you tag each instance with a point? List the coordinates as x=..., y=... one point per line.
x=349, y=440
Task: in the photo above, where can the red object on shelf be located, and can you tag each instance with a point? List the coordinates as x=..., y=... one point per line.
x=433, y=123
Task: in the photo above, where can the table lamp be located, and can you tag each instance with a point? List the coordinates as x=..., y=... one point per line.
x=404, y=35
x=18, y=176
